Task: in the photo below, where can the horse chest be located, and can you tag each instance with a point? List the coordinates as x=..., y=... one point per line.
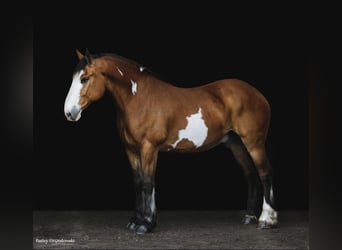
x=134, y=131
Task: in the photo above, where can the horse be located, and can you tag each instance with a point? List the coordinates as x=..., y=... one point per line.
x=155, y=116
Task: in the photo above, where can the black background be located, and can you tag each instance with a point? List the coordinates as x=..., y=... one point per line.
x=83, y=165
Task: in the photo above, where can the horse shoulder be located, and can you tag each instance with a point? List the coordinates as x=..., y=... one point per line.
x=146, y=124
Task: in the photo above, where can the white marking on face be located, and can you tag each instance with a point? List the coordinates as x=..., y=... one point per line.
x=134, y=87
x=196, y=131
x=141, y=68
x=268, y=215
x=71, y=104
x=119, y=71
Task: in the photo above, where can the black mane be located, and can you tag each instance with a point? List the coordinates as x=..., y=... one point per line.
x=119, y=57
x=83, y=62
x=80, y=65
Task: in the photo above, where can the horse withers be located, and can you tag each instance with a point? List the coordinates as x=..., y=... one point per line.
x=154, y=115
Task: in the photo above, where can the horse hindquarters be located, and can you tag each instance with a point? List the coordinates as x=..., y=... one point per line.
x=250, y=118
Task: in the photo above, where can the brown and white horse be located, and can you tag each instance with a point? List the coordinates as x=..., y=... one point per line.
x=154, y=115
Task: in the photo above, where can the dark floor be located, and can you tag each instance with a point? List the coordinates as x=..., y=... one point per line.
x=175, y=230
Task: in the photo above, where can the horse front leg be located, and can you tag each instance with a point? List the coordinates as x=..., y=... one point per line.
x=135, y=163
x=144, y=165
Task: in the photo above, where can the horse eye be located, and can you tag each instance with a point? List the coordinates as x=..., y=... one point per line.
x=84, y=80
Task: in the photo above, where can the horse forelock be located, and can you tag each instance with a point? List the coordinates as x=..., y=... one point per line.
x=80, y=65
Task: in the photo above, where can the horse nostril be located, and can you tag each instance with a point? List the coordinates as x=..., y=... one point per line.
x=68, y=114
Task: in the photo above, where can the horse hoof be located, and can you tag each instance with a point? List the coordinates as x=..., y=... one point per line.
x=249, y=219
x=265, y=225
x=141, y=229
x=131, y=226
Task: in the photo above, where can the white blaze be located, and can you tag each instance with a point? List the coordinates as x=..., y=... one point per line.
x=71, y=104
x=134, y=87
x=196, y=131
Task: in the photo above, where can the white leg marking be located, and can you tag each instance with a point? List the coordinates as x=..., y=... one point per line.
x=152, y=206
x=196, y=131
x=134, y=87
x=119, y=71
x=268, y=215
x=153, y=203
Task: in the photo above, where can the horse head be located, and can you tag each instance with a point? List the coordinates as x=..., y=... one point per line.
x=88, y=85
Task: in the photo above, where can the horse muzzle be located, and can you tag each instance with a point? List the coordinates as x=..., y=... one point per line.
x=74, y=114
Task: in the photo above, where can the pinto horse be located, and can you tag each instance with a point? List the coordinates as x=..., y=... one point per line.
x=154, y=115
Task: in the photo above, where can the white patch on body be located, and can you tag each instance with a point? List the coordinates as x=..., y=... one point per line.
x=134, y=87
x=268, y=215
x=196, y=131
x=71, y=104
x=119, y=71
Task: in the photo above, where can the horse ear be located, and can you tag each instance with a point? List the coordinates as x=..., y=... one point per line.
x=88, y=57
x=79, y=54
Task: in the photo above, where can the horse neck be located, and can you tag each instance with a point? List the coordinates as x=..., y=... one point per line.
x=121, y=78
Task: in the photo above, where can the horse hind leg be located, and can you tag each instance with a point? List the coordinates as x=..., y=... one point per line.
x=269, y=215
x=254, y=200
